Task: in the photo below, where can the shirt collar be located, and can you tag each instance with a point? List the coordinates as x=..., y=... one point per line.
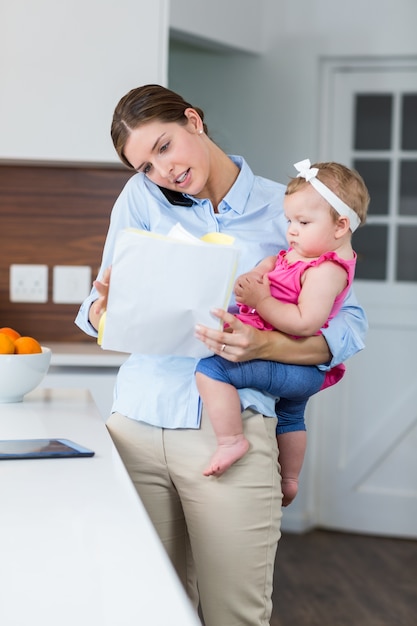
x=237, y=197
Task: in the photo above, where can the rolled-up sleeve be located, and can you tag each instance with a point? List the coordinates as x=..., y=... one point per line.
x=82, y=320
x=346, y=333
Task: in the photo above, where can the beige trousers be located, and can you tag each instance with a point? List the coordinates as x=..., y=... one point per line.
x=231, y=523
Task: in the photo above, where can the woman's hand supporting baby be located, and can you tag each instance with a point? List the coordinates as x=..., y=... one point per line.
x=241, y=342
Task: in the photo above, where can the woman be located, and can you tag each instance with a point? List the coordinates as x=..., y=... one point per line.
x=220, y=533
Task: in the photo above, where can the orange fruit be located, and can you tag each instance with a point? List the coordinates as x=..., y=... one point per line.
x=11, y=332
x=6, y=344
x=27, y=345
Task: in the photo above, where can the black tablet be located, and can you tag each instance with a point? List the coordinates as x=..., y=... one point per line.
x=41, y=449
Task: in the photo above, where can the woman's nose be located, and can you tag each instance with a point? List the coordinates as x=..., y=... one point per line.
x=165, y=170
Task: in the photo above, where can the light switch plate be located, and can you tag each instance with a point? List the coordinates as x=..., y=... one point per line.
x=71, y=283
x=28, y=283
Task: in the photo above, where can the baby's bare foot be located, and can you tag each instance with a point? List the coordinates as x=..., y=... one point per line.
x=227, y=453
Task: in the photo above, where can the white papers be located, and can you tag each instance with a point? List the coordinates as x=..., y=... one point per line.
x=161, y=287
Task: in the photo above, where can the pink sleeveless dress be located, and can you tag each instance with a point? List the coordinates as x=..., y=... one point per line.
x=285, y=284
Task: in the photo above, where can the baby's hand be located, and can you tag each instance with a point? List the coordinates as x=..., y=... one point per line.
x=252, y=275
x=251, y=288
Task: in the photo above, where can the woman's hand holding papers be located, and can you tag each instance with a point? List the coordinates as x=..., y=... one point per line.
x=99, y=306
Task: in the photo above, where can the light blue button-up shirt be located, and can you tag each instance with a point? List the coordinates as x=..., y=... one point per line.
x=161, y=390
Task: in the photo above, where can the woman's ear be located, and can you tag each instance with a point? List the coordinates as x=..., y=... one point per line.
x=194, y=120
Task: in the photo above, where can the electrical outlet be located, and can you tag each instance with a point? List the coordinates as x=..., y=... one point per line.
x=28, y=283
x=71, y=283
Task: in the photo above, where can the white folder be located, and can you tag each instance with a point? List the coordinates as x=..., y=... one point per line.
x=162, y=286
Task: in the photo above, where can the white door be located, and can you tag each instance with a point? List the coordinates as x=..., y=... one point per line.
x=366, y=430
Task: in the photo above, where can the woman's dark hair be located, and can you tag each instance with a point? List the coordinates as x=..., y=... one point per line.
x=145, y=104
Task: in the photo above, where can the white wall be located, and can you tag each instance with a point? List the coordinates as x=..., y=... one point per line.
x=234, y=23
x=266, y=107
x=63, y=67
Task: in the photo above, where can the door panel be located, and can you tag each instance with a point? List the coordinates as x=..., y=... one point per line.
x=367, y=424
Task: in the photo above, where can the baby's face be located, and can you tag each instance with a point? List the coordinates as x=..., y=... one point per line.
x=311, y=226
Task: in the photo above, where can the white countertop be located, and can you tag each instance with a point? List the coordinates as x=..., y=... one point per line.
x=76, y=544
x=84, y=355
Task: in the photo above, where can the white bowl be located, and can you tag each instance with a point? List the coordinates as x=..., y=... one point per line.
x=22, y=373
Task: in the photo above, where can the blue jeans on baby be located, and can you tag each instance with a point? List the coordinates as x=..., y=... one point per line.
x=291, y=384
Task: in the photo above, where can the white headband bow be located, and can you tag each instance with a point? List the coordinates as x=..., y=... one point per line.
x=310, y=174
